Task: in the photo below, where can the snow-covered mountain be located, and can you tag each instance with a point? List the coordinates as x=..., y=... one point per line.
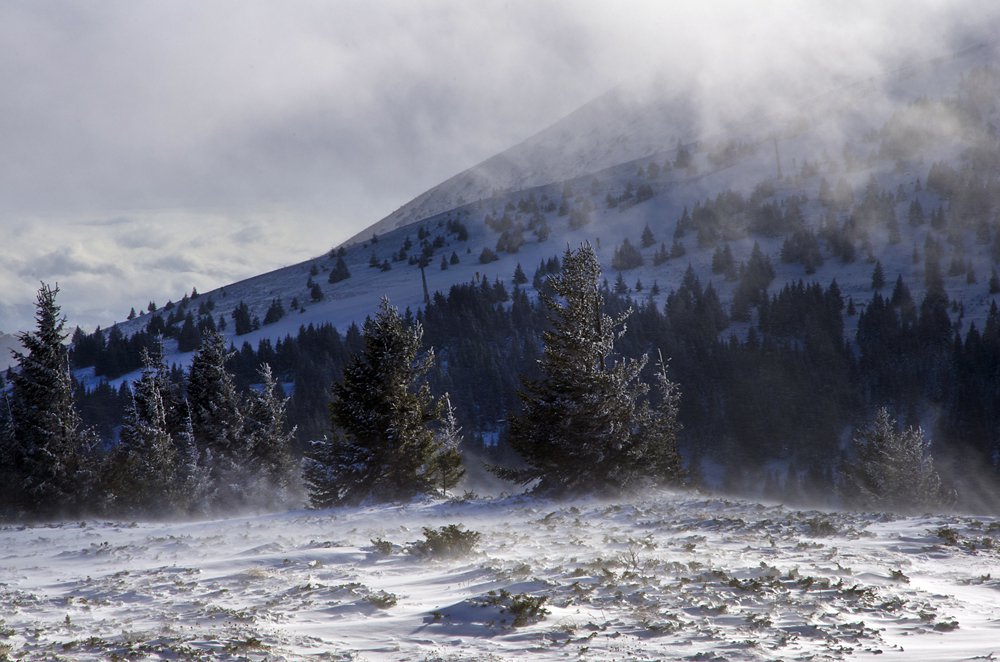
x=628, y=148
x=617, y=127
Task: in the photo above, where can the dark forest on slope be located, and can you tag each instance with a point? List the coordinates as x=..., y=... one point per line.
x=775, y=367
x=790, y=390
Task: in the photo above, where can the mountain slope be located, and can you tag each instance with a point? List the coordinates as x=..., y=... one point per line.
x=837, y=194
x=829, y=139
x=614, y=128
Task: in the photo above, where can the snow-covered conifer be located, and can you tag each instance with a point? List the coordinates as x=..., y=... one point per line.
x=142, y=466
x=382, y=412
x=891, y=470
x=585, y=424
x=217, y=419
x=271, y=442
x=49, y=465
x=448, y=458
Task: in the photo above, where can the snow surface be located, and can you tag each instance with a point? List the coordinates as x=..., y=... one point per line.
x=661, y=576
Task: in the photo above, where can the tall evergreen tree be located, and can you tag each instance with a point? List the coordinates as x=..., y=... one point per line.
x=142, y=467
x=271, y=442
x=47, y=458
x=192, y=486
x=585, y=424
x=217, y=419
x=382, y=412
x=878, y=276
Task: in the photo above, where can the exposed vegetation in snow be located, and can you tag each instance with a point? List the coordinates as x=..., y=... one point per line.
x=659, y=576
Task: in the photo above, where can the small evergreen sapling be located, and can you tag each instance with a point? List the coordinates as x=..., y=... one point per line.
x=448, y=460
x=891, y=470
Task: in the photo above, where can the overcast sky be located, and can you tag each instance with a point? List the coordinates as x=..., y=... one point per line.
x=148, y=147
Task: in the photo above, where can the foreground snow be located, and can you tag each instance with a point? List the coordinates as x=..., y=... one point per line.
x=667, y=576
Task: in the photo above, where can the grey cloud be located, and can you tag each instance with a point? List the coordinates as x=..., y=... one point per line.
x=64, y=263
x=108, y=222
x=177, y=264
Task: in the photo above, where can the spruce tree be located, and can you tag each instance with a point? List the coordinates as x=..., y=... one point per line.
x=585, y=424
x=382, y=411
x=519, y=276
x=448, y=459
x=48, y=459
x=217, y=419
x=655, y=448
x=271, y=442
x=192, y=485
x=340, y=271
x=891, y=470
x=143, y=465
x=647, y=238
x=878, y=276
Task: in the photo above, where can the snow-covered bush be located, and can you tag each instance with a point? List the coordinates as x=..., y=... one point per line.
x=445, y=542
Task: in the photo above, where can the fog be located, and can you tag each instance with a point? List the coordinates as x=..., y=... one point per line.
x=152, y=147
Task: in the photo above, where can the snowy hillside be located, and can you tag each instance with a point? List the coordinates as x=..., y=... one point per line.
x=664, y=576
x=605, y=150
x=614, y=128
x=638, y=121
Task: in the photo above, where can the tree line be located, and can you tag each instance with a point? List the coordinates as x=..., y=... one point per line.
x=206, y=448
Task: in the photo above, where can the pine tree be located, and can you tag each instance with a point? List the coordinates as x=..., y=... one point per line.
x=274, y=312
x=585, y=425
x=192, y=485
x=519, y=276
x=891, y=470
x=655, y=449
x=340, y=271
x=217, y=418
x=272, y=457
x=448, y=460
x=626, y=257
x=46, y=458
x=647, y=238
x=878, y=276
x=382, y=412
x=242, y=319
x=142, y=466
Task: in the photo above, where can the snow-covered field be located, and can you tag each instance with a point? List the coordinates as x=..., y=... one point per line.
x=662, y=576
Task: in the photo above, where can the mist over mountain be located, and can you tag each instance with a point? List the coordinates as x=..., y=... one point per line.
x=802, y=255
x=886, y=130
x=705, y=368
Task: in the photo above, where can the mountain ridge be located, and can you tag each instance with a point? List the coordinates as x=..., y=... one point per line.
x=753, y=154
